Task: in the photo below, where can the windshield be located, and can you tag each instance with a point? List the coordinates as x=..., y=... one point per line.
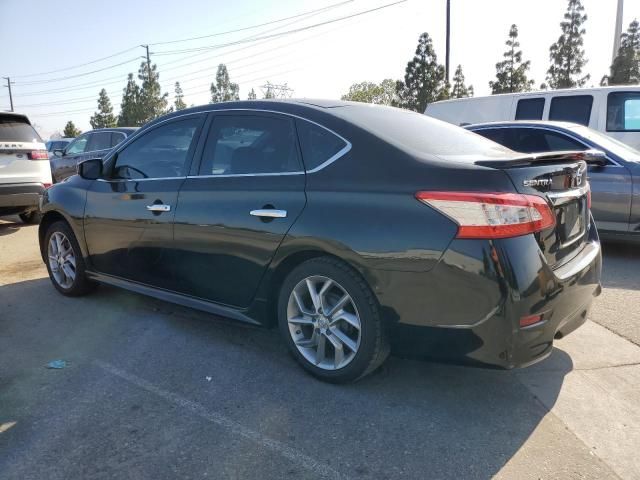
x=616, y=147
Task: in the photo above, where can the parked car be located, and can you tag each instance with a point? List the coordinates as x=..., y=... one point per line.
x=24, y=167
x=615, y=181
x=358, y=227
x=614, y=111
x=58, y=144
x=93, y=144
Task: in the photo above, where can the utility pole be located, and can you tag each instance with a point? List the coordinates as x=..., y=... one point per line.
x=446, y=67
x=148, y=62
x=9, y=82
x=618, y=31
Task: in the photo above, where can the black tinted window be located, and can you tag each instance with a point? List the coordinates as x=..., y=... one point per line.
x=533, y=140
x=250, y=144
x=530, y=109
x=159, y=153
x=576, y=109
x=318, y=144
x=14, y=129
x=98, y=141
x=497, y=135
x=623, y=112
x=116, y=138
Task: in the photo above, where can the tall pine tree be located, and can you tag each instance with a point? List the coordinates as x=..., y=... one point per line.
x=130, y=104
x=152, y=102
x=459, y=89
x=424, y=79
x=511, y=73
x=223, y=90
x=70, y=130
x=178, y=102
x=104, y=117
x=567, y=54
x=625, y=69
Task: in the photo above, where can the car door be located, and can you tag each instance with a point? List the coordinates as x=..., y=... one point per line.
x=237, y=205
x=129, y=213
x=64, y=166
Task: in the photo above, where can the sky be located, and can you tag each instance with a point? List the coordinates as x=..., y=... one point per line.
x=318, y=62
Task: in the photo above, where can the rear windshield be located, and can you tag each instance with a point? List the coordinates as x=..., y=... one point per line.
x=15, y=129
x=420, y=134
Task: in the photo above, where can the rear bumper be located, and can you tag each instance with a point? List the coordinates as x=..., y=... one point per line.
x=13, y=195
x=472, y=302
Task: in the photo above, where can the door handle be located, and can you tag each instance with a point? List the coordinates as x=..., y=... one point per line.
x=159, y=208
x=268, y=213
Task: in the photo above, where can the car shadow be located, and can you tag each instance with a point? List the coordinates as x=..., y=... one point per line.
x=9, y=225
x=620, y=263
x=410, y=419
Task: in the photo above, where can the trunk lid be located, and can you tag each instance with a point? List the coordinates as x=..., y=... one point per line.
x=560, y=178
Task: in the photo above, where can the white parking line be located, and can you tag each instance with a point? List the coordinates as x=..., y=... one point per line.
x=234, y=427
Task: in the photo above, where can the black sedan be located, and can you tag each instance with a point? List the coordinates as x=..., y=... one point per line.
x=358, y=229
x=614, y=178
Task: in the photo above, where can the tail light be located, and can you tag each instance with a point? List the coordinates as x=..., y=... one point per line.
x=38, y=155
x=491, y=215
x=46, y=185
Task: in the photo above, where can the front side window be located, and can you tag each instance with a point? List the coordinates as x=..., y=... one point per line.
x=530, y=109
x=498, y=135
x=318, y=144
x=571, y=108
x=623, y=112
x=241, y=145
x=116, y=138
x=79, y=145
x=159, y=153
x=99, y=141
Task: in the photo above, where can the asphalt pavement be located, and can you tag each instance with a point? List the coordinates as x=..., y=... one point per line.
x=153, y=390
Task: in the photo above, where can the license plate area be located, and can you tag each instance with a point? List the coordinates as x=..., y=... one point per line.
x=571, y=221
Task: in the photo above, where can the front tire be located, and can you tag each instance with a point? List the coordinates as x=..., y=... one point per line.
x=330, y=320
x=64, y=261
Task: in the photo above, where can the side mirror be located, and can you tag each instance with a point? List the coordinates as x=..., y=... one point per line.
x=90, y=169
x=58, y=152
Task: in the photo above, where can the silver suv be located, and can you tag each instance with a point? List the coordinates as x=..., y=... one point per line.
x=24, y=168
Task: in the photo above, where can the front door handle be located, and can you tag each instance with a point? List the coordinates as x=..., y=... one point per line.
x=268, y=213
x=156, y=207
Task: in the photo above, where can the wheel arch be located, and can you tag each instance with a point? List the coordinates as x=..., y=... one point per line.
x=48, y=219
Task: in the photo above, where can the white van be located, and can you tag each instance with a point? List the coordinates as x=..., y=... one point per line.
x=611, y=110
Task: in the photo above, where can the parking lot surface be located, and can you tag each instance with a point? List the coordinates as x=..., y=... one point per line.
x=153, y=390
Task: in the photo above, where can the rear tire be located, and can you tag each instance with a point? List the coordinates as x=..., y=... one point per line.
x=64, y=261
x=32, y=217
x=336, y=335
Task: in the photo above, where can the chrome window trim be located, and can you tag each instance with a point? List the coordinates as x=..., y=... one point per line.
x=615, y=164
x=559, y=198
x=323, y=165
x=138, y=179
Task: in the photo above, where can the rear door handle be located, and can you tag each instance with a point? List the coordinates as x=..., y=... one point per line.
x=159, y=208
x=269, y=213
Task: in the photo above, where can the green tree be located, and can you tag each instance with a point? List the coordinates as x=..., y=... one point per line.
x=511, y=73
x=369, y=92
x=567, y=55
x=424, y=79
x=152, y=102
x=252, y=95
x=178, y=103
x=223, y=90
x=625, y=69
x=130, y=105
x=459, y=89
x=70, y=130
x=104, y=117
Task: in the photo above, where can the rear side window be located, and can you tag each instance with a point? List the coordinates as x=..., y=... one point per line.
x=99, y=141
x=318, y=144
x=530, y=109
x=15, y=129
x=116, y=138
x=623, y=112
x=575, y=108
x=534, y=140
x=244, y=145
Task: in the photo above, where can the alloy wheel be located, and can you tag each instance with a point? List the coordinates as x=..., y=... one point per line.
x=62, y=260
x=324, y=322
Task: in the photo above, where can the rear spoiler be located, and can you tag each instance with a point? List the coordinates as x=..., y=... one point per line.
x=591, y=157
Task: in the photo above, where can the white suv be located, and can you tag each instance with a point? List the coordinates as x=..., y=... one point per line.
x=24, y=168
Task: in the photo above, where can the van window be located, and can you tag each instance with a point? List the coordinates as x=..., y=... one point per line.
x=623, y=112
x=530, y=109
x=573, y=108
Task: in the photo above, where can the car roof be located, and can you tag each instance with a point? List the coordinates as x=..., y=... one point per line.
x=524, y=123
